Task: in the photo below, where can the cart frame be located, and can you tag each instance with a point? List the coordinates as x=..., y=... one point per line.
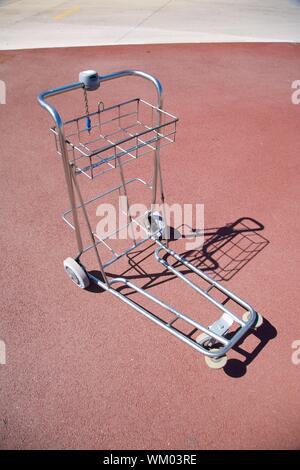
x=211, y=335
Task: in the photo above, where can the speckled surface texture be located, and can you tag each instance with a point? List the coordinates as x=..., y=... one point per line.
x=83, y=369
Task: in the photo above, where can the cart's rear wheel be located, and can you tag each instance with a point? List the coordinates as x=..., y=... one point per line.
x=216, y=363
x=258, y=322
x=156, y=224
x=76, y=273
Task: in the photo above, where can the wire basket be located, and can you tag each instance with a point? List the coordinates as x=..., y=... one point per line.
x=125, y=131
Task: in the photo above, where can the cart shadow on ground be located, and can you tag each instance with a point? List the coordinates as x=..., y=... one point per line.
x=225, y=251
x=265, y=333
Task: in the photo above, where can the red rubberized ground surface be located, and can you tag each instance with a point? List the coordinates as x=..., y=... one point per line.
x=83, y=369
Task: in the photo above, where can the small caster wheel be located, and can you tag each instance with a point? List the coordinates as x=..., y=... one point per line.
x=205, y=341
x=216, y=363
x=155, y=224
x=76, y=273
x=258, y=322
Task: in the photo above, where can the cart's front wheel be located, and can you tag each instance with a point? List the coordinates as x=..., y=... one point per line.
x=216, y=363
x=258, y=322
x=76, y=273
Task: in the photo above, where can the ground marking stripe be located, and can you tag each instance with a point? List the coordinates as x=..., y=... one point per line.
x=68, y=12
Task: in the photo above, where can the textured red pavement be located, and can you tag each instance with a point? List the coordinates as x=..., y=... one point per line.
x=83, y=369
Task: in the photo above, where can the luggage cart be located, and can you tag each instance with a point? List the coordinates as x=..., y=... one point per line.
x=105, y=139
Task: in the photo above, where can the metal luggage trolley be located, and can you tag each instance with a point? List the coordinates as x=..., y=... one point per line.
x=106, y=139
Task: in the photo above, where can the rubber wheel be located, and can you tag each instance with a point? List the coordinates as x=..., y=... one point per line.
x=76, y=273
x=156, y=224
x=218, y=363
x=205, y=341
x=259, y=320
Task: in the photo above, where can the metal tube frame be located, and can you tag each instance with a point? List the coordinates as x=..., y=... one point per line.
x=106, y=284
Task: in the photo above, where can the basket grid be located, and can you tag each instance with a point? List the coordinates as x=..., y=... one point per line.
x=124, y=131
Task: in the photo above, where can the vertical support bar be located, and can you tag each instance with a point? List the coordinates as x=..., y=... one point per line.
x=71, y=194
x=125, y=194
x=82, y=205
